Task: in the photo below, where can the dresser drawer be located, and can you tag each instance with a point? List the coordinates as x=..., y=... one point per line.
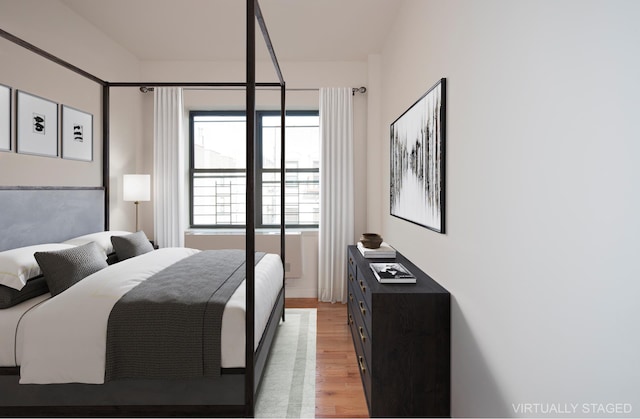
x=361, y=272
x=363, y=361
x=360, y=306
x=351, y=262
x=363, y=285
x=360, y=332
x=351, y=281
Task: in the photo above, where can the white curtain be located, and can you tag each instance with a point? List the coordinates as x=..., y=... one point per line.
x=336, y=192
x=168, y=167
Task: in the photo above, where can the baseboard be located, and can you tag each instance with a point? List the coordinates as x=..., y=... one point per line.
x=301, y=292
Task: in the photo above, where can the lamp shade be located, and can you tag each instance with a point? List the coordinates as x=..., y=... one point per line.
x=136, y=187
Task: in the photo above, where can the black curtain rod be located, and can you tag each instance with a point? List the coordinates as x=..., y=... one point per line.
x=144, y=88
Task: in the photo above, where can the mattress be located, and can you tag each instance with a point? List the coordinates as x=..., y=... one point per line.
x=63, y=339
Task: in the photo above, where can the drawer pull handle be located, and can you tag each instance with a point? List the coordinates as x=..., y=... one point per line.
x=362, y=309
x=350, y=261
x=363, y=369
x=363, y=287
x=362, y=336
x=351, y=297
x=351, y=278
x=350, y=319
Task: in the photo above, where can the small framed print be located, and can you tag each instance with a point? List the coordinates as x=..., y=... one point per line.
x=37, y=127
x=77, y=134
x=5, y=118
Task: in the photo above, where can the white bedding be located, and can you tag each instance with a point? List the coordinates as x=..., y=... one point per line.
x=63, y=340
x=9, y=320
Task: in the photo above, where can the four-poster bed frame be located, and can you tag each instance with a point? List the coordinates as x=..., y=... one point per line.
x=254, y=360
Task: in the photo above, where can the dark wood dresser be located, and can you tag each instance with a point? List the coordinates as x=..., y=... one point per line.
x=402, y=337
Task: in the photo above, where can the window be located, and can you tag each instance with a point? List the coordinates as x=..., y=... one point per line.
x=218, y=169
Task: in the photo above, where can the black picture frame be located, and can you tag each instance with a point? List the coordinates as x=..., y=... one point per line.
x=417, y=161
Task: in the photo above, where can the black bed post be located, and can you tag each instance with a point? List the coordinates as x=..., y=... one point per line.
x=282, y=186
x=283, y=90
x=105, y=151
x=250, y=229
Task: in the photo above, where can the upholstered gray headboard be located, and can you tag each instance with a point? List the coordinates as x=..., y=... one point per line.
x=34, y=215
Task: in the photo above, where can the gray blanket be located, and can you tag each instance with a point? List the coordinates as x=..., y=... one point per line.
x=169, y=326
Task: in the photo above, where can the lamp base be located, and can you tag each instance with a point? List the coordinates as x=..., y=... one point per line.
x=137, y=227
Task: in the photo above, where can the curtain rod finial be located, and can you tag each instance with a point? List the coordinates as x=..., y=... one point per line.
x=361, y=89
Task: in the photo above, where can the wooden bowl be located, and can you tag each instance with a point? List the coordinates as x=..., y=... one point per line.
x=371, y=240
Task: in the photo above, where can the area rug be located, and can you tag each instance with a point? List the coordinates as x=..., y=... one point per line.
x=288, y=388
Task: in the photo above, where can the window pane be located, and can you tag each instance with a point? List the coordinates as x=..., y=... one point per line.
x=271, y=147
x=219, y=198
x=302, y=138
x=271, y=198
x=219, y=142
x=302, y=199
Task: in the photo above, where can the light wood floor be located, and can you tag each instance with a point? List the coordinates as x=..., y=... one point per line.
x=339, y=390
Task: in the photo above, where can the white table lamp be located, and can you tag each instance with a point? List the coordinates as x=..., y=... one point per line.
x=136, y=188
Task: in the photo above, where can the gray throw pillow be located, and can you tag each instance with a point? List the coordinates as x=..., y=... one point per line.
x=10, y=297
x=64, y=268
x=131, y=245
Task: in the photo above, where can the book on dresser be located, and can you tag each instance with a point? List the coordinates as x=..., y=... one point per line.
x=392, y=273
x=383, y=252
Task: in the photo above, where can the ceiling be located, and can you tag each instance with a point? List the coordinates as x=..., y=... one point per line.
x=214, y=30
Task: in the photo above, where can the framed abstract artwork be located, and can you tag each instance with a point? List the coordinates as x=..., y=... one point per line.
x=77, y=134
x=5, y=118
x=37, y=127
x=418, y=161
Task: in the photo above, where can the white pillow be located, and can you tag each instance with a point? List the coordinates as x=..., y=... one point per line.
x=17, y=266
x=102, y=239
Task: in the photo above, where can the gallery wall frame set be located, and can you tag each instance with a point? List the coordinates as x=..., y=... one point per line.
x=37, y=127
x=417, y=161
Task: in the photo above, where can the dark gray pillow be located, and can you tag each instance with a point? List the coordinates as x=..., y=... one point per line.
x=112, y=258
x=64, y=268
x=131, y=245
x=10, y=297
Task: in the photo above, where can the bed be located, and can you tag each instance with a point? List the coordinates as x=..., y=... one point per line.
x=65, y=375
x=229, y=392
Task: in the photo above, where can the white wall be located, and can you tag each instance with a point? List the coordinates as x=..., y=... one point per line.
x=540, y=254
x=27, y=72
x=50, y=25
